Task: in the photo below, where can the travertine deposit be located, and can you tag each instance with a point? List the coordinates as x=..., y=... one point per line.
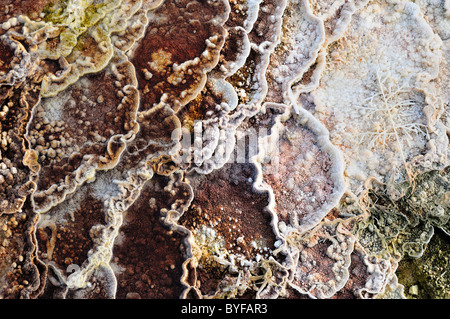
x=224, y=149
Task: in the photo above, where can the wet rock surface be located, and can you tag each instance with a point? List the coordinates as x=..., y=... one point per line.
x=161, y=149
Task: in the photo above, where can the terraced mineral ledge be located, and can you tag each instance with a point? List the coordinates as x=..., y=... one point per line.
x=286, y=149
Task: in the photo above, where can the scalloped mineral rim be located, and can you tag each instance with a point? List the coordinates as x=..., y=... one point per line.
x=223, y=148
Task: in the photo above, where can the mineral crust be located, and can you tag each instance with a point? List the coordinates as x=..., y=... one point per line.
x=285, y=149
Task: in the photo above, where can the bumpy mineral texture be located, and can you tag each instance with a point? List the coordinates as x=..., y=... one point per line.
x=288, y=149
